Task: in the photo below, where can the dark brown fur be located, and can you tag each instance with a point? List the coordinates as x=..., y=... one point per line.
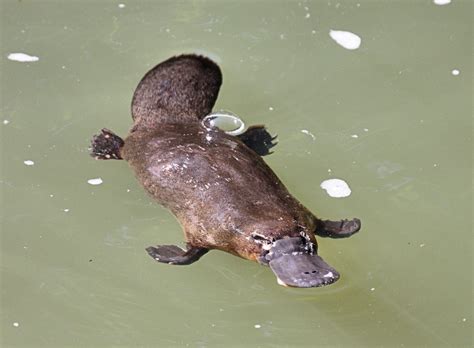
x=182, y=90
x=221, y=191
x=218, y=187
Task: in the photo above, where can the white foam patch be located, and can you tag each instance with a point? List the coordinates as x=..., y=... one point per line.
x=22, y=57
x=28, y=163
x=441, y=2
x=16, y=324
x=121, y=5
x=5, y=122
x=307, y=132
x=336, y=188
x=346, y=39
x=455, y=72
x=95, y=181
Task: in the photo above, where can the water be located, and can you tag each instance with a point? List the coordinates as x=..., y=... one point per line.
x=74, y=269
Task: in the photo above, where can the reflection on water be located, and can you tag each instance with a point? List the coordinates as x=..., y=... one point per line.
x=391, y=117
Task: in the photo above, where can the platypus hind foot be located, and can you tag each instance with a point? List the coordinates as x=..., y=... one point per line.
x=106, y=145
x=258, y=139
x=174, y=255
x=337, y=229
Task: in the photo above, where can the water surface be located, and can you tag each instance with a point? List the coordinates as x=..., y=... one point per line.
x=73, y=267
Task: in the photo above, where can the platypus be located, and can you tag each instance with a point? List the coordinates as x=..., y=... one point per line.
x=217, y=185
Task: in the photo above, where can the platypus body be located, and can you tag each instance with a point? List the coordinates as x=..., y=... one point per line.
x=217, y=185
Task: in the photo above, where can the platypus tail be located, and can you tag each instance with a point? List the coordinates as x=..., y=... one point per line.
x=181, y=89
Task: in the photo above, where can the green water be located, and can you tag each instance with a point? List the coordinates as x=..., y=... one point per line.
x=73, y=267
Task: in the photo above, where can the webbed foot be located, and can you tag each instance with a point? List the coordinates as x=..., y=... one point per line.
x=106, y=145
x=174, y=255
x=258, y=139
x=338, y=229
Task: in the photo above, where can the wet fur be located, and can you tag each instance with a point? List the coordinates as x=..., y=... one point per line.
x=221, y=191
x=218, y=186
x=180, y=90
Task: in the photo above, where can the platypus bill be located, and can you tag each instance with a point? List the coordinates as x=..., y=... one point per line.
x=217, y=185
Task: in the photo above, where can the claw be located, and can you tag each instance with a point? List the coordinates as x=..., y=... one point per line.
x=106, y=145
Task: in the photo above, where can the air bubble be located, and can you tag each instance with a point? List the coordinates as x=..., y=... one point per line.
x=224, y=120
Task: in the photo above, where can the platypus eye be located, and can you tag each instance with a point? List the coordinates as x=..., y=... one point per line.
x=261, y=239
x=258, y=237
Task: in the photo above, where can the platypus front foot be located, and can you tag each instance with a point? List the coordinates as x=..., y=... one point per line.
x=174, y=255
x=258, y=139
x=106, y=145
x=337, y=229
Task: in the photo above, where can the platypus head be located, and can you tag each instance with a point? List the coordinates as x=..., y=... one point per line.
x=295, y=263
